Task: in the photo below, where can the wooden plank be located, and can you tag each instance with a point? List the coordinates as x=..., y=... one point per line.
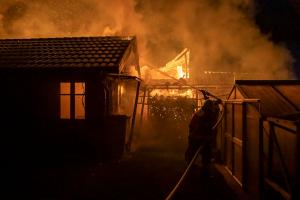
x=296, y=192
x=281, y=157
x=245, y=162
x=237, y=141
x=261, y=158
x=282, y=127
x=128, y=145
x=278, y=189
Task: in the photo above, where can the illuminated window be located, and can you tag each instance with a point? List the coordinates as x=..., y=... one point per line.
x=65, y=100
x=79, y=100
x=72, y=100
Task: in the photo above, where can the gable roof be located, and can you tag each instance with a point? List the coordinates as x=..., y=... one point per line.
x=104, y=53
x=278, y=98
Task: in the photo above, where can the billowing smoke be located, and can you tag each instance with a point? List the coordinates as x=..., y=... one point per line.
x=220, y=33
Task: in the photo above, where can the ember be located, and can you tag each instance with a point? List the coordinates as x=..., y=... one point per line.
x=171, y=109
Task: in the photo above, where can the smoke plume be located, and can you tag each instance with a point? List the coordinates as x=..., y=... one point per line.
x=220, y=33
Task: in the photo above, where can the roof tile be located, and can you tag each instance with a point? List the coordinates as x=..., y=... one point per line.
x=63, y=52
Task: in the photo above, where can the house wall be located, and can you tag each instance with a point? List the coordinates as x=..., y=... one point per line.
x=130, y=61
x=26, y=110
x=32, y=130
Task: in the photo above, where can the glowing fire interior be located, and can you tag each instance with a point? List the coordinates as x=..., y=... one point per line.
x=174, y=92
x=176, y=69
x=182, y=73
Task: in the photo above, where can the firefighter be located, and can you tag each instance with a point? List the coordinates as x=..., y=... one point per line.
x=201, y=133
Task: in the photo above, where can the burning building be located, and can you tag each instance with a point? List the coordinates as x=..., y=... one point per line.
x=65, y=97
x=175, y=84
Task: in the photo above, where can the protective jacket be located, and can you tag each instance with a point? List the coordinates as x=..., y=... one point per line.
x=200, y=130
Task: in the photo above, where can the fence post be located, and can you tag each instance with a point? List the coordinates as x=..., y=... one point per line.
x=245, y=165
x=295, y=190
x=128, y=145
x=261, y=158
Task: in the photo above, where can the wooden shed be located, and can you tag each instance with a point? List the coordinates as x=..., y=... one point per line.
x=67, y=97
x=259, y=137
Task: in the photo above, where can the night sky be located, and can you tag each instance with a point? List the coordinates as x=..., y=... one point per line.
x=280, y=19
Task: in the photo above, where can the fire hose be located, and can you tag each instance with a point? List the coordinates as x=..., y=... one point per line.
x=187, y=170
x=206, y=95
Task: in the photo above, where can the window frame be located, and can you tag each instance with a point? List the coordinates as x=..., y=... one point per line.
x=72, y=100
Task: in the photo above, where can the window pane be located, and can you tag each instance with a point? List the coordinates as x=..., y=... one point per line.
x=65, y=88
x=64, y=106
x=79, y=107
x=79, y=88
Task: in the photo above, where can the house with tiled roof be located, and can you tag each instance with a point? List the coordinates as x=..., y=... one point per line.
x=64, y=97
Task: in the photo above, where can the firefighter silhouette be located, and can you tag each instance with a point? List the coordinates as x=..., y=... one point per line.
x=201, y=133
